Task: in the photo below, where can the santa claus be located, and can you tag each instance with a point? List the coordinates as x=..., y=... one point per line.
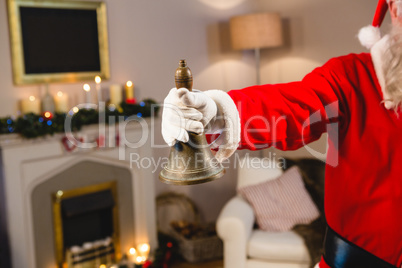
x=356, y=99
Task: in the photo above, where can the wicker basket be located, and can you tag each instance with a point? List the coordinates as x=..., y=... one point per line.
x=200, y=249
x=195, y=249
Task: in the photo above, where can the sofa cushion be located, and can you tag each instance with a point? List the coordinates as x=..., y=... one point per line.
x=277, y=247
x=282, y=203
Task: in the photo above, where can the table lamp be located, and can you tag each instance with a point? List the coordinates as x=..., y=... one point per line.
x=256, y=31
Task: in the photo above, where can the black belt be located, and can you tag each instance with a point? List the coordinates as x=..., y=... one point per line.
x=339, y=253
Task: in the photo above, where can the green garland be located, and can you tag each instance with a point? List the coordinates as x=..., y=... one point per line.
x=34, y=125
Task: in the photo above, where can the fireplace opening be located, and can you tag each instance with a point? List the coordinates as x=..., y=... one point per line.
x=86, y=224
x=87, y=218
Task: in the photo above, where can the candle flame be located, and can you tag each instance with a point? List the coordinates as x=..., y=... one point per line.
x=86, y=87
x=132, y=251
x=129, y=84
x=143, y=247
x=98, y=79
x=140, y=260
x=31, y=98
x=60, y=94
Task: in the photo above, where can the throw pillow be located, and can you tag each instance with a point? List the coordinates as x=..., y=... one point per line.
x=282, y=203
x=313, y=174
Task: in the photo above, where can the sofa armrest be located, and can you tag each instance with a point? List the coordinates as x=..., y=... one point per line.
x=234, y=226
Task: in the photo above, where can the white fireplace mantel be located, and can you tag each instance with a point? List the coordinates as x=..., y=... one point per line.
x=27, y=163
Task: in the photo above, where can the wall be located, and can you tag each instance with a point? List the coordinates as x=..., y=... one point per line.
x=148, y=37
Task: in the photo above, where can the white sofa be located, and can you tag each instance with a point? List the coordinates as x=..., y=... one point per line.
x=245, y=246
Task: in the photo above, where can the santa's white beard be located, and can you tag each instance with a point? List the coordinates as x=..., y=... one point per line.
x=392, y=68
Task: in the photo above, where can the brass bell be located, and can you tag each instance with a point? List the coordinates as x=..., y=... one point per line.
x=191, y=162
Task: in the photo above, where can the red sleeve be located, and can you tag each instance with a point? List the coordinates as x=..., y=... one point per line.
x=289, y=116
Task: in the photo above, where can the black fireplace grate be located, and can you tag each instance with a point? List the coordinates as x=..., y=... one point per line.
x=87, y=218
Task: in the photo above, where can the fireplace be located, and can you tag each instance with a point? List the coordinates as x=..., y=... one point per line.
x=86, y=223
x=39, y=177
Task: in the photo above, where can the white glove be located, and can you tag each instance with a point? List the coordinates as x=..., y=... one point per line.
x=184, y=111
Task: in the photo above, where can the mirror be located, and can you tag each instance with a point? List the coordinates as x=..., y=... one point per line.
x=58, y=41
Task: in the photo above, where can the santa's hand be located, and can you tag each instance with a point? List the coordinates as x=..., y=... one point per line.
x=184, y=111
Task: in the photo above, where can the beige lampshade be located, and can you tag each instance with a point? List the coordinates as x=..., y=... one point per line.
x=256, y=31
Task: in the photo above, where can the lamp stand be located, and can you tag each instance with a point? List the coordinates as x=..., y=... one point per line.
x=257, y=64
x=260, y=153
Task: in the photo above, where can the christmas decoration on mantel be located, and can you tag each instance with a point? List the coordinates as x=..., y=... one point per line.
x=37, y=125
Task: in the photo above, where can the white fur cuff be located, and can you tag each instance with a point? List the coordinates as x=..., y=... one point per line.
x=229, y=139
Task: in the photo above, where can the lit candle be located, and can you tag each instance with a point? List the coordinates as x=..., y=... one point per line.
x=132, y=255
x=115, y=95
x=30, y=105
x=143, y=250
x=140, y=260
x=87, y=90
x=129, y=87
x=61, y=102
x=98, y=80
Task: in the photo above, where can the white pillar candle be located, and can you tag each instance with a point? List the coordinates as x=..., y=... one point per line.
x=87, y=90
x=47, y=102
x=116, y=95
x=61, y=102
x=30, y=105
x=98, y=81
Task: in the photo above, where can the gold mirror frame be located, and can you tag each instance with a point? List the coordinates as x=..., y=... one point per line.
x=17, y=53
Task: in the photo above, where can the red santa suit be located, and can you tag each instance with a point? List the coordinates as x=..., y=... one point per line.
x=344, y=97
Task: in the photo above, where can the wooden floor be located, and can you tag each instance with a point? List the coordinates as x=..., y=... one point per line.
x=211, y=264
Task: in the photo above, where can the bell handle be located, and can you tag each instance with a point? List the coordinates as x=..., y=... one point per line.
x=183, y=76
